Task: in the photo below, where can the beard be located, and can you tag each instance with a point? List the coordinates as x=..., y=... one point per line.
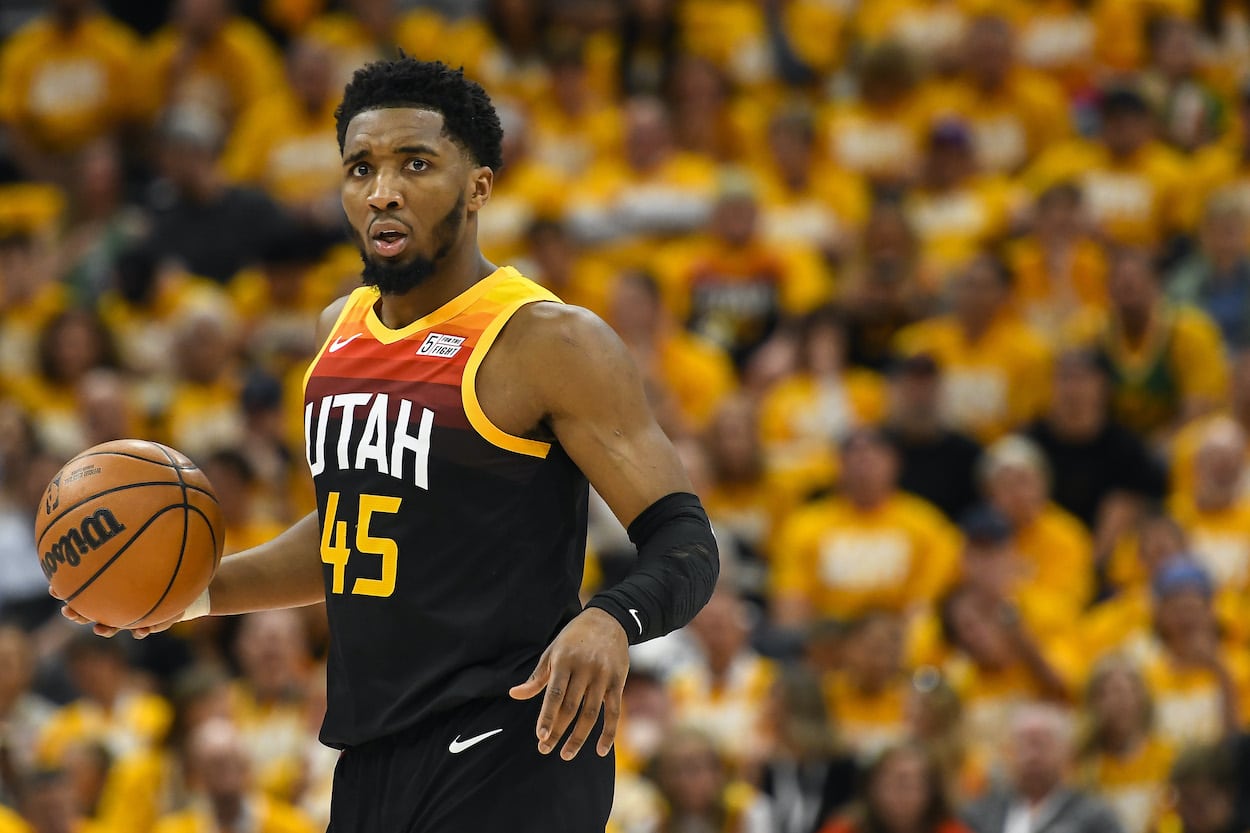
x=398, y=278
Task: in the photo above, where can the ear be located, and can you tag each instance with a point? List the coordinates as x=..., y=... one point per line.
x=481, y=182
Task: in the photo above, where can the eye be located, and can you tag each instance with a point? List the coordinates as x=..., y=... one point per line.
x=418, y=164
x=360, y=169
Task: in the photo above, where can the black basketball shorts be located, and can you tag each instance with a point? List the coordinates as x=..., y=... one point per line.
x=476, y=769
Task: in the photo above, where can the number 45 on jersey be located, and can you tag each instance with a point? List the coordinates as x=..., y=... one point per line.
x=336, y=552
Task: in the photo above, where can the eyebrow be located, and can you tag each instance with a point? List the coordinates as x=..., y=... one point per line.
x=420, y=150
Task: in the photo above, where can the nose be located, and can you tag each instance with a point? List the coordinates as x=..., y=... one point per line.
x=385, y=195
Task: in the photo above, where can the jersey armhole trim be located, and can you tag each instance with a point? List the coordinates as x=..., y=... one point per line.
x=468, y=391
x=338, y=322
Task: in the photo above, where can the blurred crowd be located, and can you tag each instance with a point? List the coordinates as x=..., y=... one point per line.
x=944, y=303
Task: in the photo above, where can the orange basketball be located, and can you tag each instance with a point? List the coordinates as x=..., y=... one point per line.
x=129, y=533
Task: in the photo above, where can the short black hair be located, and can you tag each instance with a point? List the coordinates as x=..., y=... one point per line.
x=469, y=118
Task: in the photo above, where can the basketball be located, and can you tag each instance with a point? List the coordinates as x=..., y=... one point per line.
x=129, y=533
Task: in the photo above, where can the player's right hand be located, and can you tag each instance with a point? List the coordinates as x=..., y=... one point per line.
x=104, y=630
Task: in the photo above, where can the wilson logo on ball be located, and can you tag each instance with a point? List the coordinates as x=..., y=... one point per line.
x=95, y=531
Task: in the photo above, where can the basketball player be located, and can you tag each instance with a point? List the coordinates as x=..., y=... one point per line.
x=453, y=416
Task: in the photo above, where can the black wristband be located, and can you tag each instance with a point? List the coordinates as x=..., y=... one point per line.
x=676, y=571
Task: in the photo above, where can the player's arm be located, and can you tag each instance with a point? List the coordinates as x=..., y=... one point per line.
x=282, y=572
x=577, y=375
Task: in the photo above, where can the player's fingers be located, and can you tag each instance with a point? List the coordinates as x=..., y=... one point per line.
x=105, y=630
x=54, y=594
x=74, y=616
x=553, y=702
x=587, y=715
x=143, y=633
x=566, y=711
x=527, y=689
x=611, y=719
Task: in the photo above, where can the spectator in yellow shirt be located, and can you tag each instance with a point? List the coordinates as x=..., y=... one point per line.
x=1199, y=685
x=1060, y=269
x=1185, y=448
x=268, y=700
x=200, y=411
x=574, y=126
x=1122, y=761
x=209, y=57
x=218, y=760
x=996, y=664
x=870, y=547
x=68, y=77
x=1134, y=186
x=699, y=789
x=995, y=370
x=49, y=805
x=808, y=412
x=687, y=377
x=956, y=212
x=805, y=198
x=934, y=29
x=1167, y=362
x=652, y=192
x=732, y=287
x=524, y=191
x=725, y=692
x=1223, y=165
x=110, y=708
x=1013, y=112
x=1215, y=515
x=880, y=134
x=1058, y=37
x=1056, y=550
x=868, y=696
x=284, y=142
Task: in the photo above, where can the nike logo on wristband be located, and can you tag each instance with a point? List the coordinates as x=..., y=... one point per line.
x=634, y=613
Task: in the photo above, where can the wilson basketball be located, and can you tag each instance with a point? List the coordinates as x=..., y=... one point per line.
x=129, y=533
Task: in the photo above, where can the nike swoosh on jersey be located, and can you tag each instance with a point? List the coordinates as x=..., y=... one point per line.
x=457, y=746
x=339, y=343
x=634, y=613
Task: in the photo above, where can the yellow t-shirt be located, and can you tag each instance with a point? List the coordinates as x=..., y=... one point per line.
x=879, y=143
x=521, y=194
x=571, y=142
x=1187, y=699
x=829, y=212
x=731, y=712
x=801, y=418
x=1220, y=538
x=1219, y=167
x=956, y=224
x=1009, y=126
x=138, y=721
x=233, y=71
x=1185, y=444
x=64, y=89
x=867, y=722
x=421, y=32
x=289, y=152
x=276, y=736
x=848, y=561
x=1058, y=554
x=1046, y=294
x=697, y=374
x=11, y=822
x=989, y=386
x=1059, y=37
x=270, y=817
x=1135, y=201
x=1135, y=786
x=201, y=418
x=931, y=28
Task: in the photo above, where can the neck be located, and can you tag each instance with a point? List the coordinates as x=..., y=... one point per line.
x=456, y=273
x=917, y=426
x=1037, y=793
x=68, y=18
x=976, y=327
x=228, y=810
x=1120, y=743
x=868, y=501
x=1135, y=323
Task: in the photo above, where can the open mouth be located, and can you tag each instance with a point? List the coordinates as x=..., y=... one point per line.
x=389, y=242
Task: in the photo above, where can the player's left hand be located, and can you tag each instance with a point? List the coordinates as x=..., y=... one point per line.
x=583, y=670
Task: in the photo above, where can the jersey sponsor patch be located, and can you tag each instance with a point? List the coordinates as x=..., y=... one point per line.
x=440, y=346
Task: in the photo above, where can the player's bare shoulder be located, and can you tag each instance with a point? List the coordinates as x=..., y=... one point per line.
x=328, y=317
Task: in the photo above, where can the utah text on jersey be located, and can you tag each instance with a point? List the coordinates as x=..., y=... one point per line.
x=372, y=449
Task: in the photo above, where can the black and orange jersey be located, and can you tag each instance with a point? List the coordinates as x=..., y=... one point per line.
x=452, y=551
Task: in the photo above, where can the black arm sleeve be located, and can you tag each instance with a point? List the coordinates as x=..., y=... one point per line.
x=676, y=571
